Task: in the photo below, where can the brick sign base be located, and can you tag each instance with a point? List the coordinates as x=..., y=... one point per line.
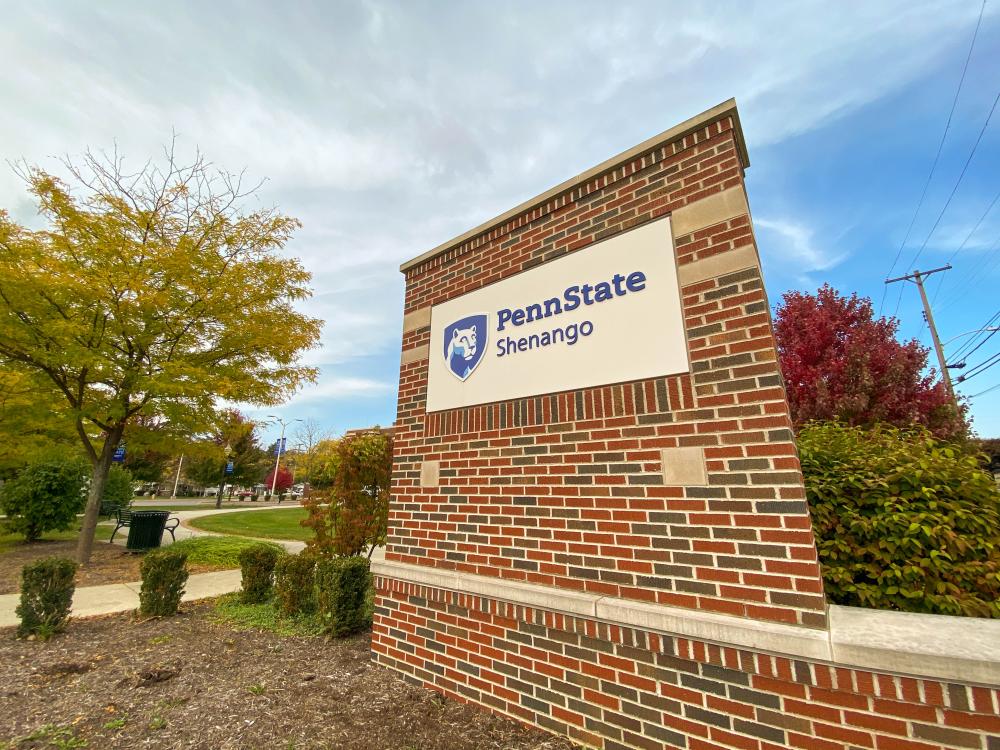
x=632, y=565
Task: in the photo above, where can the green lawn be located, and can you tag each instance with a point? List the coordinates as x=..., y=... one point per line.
x=218, y=551
x=279, y=523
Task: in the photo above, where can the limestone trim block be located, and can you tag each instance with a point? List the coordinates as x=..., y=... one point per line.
x=684, y=467
x=718, y=265
x=430, y=473
x=709, y=211
x=417, y=319
x=415, y=354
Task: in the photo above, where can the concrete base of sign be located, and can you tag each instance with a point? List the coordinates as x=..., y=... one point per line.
x=950, y=648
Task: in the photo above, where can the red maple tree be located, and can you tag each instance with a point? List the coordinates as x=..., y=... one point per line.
x=841, y=363
x=284, y=479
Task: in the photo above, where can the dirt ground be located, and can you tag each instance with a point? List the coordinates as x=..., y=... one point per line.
x=110, y=563
x=189, y=682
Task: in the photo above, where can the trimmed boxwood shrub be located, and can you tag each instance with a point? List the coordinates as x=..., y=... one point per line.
x=257, y=568
x=294, y=584
x=902, y=521
x=47, y=587
x=341, y=591
x=164, y=573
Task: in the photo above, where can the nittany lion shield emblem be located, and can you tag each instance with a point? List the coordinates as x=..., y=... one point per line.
x=465, y=344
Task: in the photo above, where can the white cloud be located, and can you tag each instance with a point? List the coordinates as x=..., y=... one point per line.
x=390, y=127
x=788, y=247
x=340, y=388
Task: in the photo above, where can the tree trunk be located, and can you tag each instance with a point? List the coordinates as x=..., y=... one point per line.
x=222, y=485
x=98, y=479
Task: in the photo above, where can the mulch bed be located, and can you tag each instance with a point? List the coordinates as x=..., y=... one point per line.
x=109, y=563
x=190, y=682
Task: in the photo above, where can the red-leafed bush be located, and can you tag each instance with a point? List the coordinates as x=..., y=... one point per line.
x=352, y=520
x=842, y=364
x=284, y=480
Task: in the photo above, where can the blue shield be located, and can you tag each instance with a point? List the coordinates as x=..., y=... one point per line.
x=465, y=345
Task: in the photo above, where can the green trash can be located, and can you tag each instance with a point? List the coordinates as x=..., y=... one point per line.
x=146, y=528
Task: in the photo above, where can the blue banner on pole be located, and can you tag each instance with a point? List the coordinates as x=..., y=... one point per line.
x=119, y=454
x=229, y=467
x=279, y=446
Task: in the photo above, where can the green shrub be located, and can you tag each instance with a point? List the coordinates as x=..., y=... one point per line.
x=902, y=521
x=257, y=568
x=45, y=496
x=164, y=573
x=294, y=584
x=46, y=595
x=342, y=586
x=117, y=491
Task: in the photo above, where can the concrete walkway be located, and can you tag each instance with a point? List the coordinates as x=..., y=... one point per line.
x=90, y=601
x=124, y=597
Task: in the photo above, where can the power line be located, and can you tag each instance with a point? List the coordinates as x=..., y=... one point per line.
x=981, y=368
x=966, y=241
x=976, y=347
x=958, y=182
x=972, y=278
x=937, y=156
x=983, y=393
x=972, y=342
x=978, y=224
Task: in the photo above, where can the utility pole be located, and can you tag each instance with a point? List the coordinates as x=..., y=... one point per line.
x=177, y=479
x=278, y=447
x=917, y=277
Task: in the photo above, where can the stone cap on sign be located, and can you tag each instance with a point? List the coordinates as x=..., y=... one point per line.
x=718, y=112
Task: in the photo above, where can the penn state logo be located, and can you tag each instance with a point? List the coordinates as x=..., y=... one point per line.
x=465, y=344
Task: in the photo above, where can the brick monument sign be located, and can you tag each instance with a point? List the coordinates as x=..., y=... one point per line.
x=598, y=524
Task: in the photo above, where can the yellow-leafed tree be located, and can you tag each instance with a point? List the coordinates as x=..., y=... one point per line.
x=150, y=294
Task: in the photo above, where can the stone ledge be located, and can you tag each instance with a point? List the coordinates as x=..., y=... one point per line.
x=545, y=597
x=966, y=649
x=707, y=626
x=727, y=630
x=959, y=649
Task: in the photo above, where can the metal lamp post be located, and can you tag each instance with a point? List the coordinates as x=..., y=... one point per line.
x=281, y=442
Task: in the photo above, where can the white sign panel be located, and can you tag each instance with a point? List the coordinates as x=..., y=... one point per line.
x=608, y=313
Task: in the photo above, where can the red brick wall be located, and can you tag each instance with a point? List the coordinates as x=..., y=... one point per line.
x=566, y=489
x=615, y=687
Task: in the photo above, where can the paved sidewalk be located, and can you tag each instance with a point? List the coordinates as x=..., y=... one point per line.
x=123, y=597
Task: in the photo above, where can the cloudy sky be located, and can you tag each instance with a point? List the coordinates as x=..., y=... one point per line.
x=388, y=128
